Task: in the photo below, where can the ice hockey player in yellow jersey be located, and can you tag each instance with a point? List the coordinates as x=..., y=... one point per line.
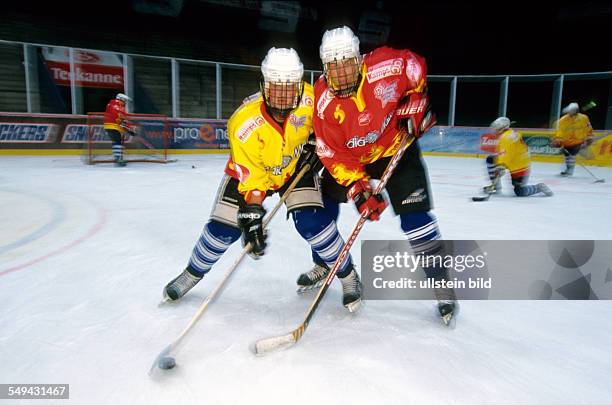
x=264, y=152
x=574, y=132
x=271, y=139
x=511, y=154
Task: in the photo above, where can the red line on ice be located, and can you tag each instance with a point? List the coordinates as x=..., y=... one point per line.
x=95, y=229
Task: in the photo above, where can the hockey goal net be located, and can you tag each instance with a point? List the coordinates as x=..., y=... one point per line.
x=148, y=143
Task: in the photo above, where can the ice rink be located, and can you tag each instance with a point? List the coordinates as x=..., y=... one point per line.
x=86, y=250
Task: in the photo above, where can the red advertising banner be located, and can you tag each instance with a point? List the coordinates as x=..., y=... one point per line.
x=92, y=69
x=88, y=75
x=488, y=142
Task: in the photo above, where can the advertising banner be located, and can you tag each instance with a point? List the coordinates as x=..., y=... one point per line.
x=27, y=133
x=92, y=69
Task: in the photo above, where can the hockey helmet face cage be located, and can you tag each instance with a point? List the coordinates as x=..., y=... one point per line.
x=341, y=60
x=282, y=84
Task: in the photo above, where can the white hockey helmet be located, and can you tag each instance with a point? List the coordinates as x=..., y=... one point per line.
x=282, y=65
x=123, y=97
x=337, y=44
x=282, y=85
x=501, y=123
x=571, y=108
x=339, y=52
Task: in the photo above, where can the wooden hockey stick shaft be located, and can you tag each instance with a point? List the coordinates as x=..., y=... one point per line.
x=265, y=345
x=172, y=347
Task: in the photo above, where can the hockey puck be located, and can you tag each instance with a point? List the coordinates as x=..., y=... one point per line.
x=193, y=166
x=166, y=363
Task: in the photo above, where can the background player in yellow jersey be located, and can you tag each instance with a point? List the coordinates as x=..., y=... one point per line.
x=269, y=141
x=574, y=132
x=512, y=154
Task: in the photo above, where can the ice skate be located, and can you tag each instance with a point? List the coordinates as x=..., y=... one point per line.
x=180, y=285
x=448, y=310
x=543, y=188
x=351, y=291
x=312, y=279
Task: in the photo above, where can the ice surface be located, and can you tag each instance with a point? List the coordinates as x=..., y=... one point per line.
x=85, y=252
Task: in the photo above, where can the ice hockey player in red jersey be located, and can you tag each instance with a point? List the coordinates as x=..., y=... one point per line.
x=269, y=142
x=116, y=126
x=363, y=108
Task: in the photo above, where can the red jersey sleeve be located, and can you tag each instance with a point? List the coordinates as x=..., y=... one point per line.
x=416, y=73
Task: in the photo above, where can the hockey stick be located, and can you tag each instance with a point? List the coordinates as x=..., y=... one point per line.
x=138, y=136
x=484, y=197
x=597, y=179
x=165, y=359
x=266, y=345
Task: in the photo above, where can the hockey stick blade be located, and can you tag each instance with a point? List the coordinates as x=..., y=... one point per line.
x=267, y=345
x=481, y=197
x=161, y=355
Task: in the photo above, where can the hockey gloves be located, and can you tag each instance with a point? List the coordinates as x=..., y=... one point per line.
x=368, y=204
x=415, y=116
x=309, y=156
x=250, y=223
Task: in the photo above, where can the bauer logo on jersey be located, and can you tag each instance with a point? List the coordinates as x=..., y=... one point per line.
x=391, y=67
x=386, y=92
x=324, y=101
x=411, y=108
x=297, y=122
x=416, y=197
x=248, y=127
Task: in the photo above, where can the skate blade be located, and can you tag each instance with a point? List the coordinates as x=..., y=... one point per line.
x=166, y=300
x=353, y=306
x=306, y=288
x=163, y=302
x=450, y=320
x=447, y=319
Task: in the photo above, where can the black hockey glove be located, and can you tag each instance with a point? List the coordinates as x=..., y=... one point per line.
x=309, y=156
x=250, y=222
